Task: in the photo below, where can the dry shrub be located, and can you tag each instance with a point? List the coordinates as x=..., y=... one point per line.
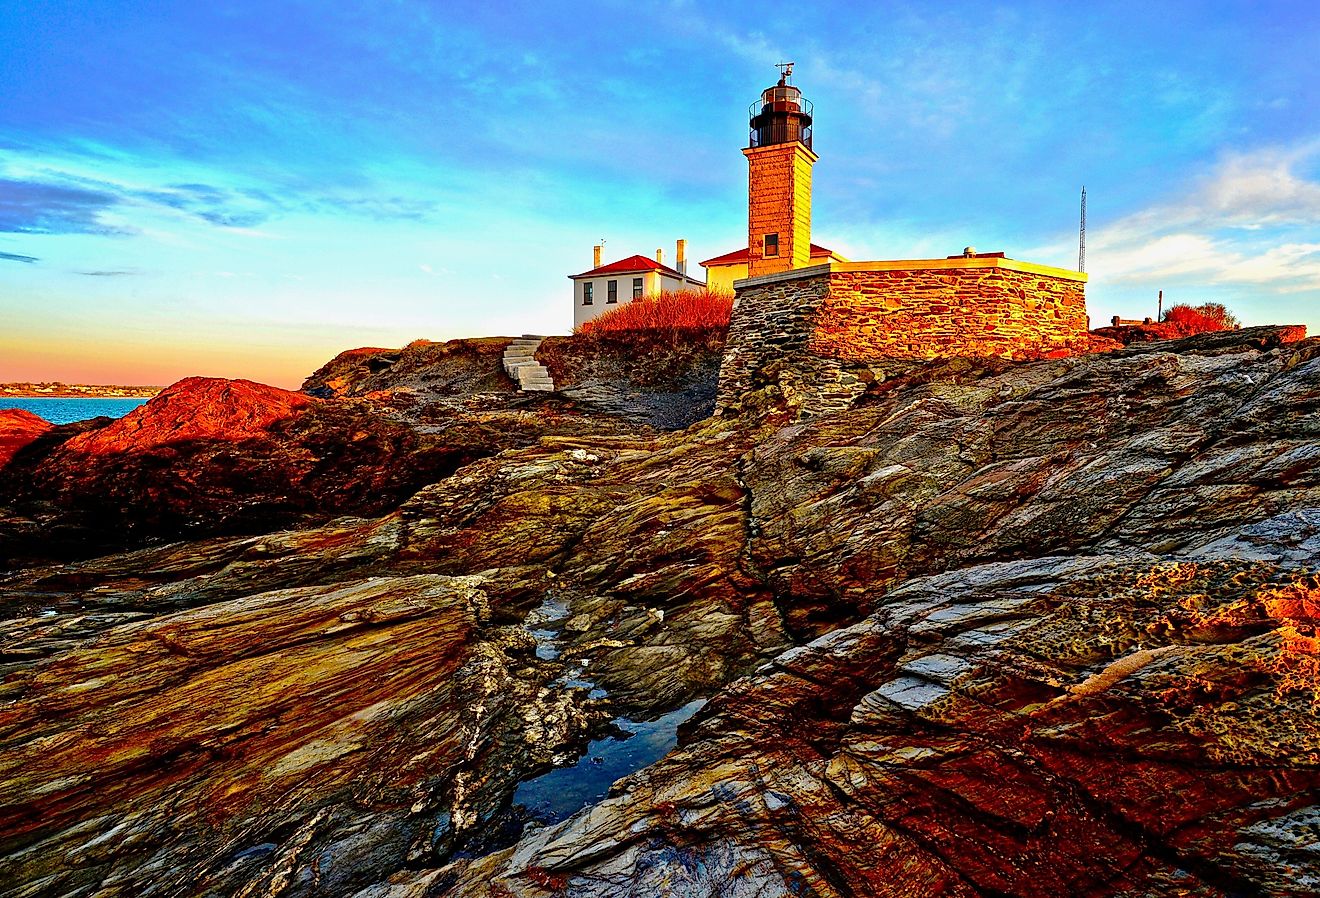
x=1209, y=316
x=683, y=310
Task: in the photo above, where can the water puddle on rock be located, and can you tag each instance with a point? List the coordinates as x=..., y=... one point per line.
x=561, y=793
x=545, y=623
x=566, y=790
x=541, y=623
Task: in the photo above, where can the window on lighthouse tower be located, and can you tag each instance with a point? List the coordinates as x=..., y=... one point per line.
x=771, y=246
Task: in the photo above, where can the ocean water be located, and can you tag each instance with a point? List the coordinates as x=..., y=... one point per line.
x=61, y=410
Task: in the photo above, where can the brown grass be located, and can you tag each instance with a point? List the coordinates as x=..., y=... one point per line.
x=685, y=310
x=658, y=342
x=1210, y=316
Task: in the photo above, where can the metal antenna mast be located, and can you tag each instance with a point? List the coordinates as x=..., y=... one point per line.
x=1081, y=235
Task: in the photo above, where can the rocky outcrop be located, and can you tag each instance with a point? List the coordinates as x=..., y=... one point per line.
x=453, y=368
x=211, y=456
x=603, y=383
x=18, y=428
x=1151, y=331
x=1138, y=333
x=1038, y=628
x=665, y=379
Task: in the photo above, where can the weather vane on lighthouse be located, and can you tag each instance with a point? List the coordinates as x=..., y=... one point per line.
x=785, y=71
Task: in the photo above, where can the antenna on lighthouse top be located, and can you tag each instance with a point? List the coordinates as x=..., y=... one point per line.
x=785, y=71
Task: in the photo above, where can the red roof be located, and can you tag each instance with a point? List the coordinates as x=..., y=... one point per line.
x=740, y=255
x=631, y=264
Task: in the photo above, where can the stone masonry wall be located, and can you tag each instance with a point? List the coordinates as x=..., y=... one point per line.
x=932, y=313
x=822, y=336
x=770, y=321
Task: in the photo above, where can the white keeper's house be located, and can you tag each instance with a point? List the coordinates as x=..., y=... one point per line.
x=607, y=287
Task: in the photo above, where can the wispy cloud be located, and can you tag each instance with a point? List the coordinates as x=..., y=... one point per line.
x=107, y=274
x=378, y=208
x=28, y=207
x=1250, y=220
x=211, y=204
x=56, y=196
x=14, y=257
x=1253, y=190
x=1261, y=189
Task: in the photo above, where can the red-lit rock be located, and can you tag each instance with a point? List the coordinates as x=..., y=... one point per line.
x=18, y=428
x=195, y=409
x=210, y=455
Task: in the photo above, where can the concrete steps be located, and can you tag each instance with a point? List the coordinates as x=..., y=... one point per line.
x=520, y=364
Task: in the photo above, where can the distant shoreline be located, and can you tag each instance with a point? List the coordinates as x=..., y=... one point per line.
x=75, y=391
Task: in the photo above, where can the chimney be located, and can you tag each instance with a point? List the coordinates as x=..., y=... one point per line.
x=660, y=256
x=680, y=256
x=595, y=256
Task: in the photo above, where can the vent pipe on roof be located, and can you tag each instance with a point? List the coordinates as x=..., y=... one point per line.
x=680, y=256
x=595, y=256
x=660, y=256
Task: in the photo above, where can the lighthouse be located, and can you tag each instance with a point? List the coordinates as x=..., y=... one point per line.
x=779, y=160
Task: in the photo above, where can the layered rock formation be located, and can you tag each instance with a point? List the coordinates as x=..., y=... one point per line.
x=297, y=739
x=1039, y=628
x=1068, y=726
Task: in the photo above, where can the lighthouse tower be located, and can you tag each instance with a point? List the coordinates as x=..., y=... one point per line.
x=779, y=159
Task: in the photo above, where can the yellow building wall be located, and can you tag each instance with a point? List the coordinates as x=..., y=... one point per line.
x=803, y=160
x=720, y=278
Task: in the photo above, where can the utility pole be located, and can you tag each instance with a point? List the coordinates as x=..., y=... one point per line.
x=1081, y=235
x=1159, y=315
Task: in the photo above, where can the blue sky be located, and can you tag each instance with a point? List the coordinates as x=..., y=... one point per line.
x=245, y=188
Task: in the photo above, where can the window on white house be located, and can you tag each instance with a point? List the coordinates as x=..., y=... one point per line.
x=771, y=246
x=588, y=293
x=612, y=291
x=637, y=288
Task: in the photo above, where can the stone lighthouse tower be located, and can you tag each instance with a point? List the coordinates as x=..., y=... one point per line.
x=779, y=159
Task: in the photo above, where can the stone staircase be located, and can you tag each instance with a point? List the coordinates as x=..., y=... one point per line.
x=520, y=363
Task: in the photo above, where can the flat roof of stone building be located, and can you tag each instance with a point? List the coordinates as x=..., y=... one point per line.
x=952, y=263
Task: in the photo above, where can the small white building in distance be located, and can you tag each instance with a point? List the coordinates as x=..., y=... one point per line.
x=607, y=287
x=722, y=271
